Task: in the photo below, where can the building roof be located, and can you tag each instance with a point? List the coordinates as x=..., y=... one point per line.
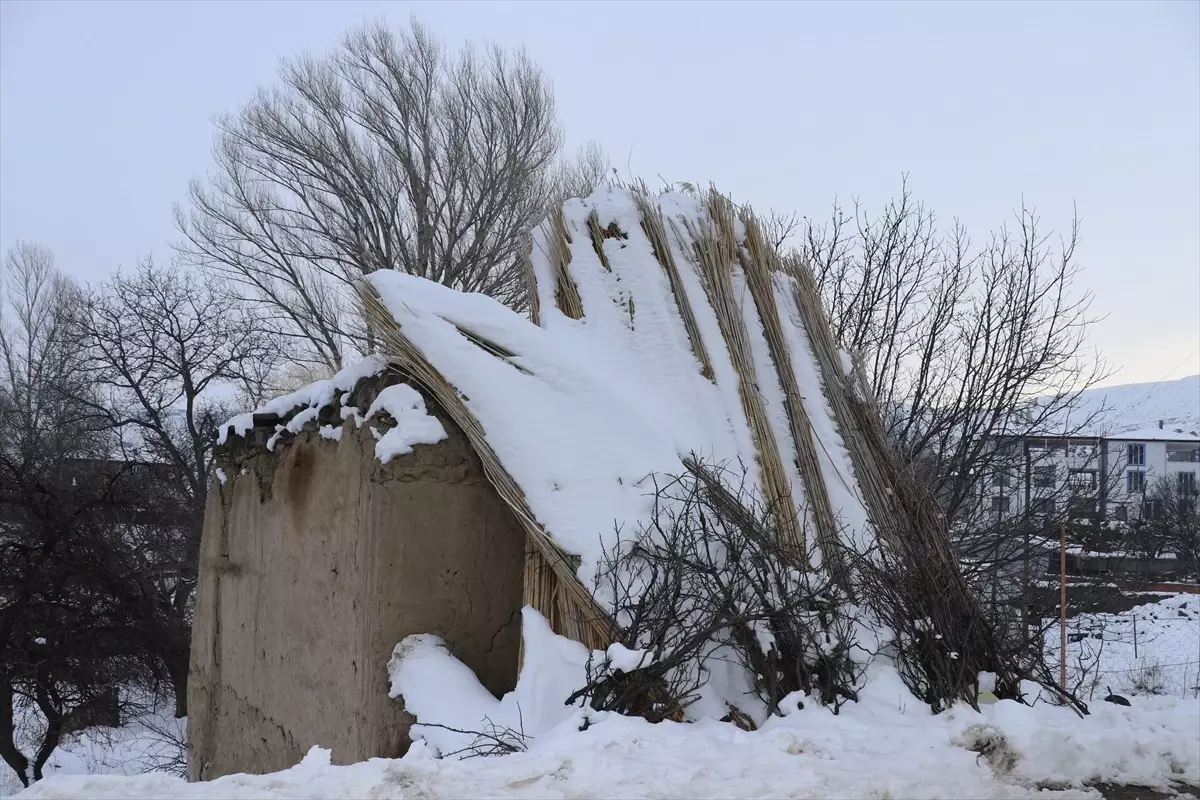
x=1156, y=434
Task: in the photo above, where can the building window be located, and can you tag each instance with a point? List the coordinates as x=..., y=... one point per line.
x=1000, y=479
x=1121, y=513
x=1187, y=482
x=1181, y=453
x=1000, y=505
x=1083, y=480
x=1044, y=476
x=1042, y=507
x=1082, y=449
x=1152, y=510
x=1081, y=507
x=1044, y=446
x=1137, y=455
x=1135, y=480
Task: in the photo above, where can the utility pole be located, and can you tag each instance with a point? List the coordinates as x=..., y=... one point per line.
x=1062, y=604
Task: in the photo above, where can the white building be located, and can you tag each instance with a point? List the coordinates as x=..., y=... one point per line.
x=1096, y=478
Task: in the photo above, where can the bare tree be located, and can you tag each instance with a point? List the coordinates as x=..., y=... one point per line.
x=1169, y=521
x=109, y=404
x=36, y=353
x=165, y=352
x=956, y=341
x=57, y=653
x=388, y=154
x=581, y=176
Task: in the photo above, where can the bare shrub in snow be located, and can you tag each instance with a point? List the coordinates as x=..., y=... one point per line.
x=493, y=740
x=710, y=575
x=1148, y=678
x=942, y=636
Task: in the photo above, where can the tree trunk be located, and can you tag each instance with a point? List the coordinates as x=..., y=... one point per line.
x=8, y=746
x=54, y=724
x=177, y=662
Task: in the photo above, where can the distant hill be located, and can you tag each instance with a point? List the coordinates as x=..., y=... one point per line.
x=1136, y=406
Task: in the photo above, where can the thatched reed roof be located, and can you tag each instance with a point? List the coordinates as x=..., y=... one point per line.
x=662, y=327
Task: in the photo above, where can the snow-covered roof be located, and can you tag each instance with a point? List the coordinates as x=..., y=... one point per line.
x=1156, y=434
x=582, y=411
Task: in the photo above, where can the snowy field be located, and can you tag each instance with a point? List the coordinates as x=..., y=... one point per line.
x=1153, y=649
x=886, y=746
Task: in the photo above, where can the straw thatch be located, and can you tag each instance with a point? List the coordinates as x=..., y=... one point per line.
x=717, y=254
x=551, y=585
x=566, y=293
x=655, y=230
x=715, y=250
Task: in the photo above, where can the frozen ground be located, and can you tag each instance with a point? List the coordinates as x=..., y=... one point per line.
x=886, y=746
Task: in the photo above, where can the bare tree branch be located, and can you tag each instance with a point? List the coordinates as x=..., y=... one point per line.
x=391, y=153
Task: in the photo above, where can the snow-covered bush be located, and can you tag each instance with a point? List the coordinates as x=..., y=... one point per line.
x=710, y=579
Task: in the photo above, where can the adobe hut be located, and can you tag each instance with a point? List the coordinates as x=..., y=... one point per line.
x=317, y=558
x=483, y=461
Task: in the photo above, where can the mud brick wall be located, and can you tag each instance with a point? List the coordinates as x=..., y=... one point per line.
x=316, y=560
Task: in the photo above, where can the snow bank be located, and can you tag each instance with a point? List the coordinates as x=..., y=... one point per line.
x=153, y=741
x=887, y=745
x=444, y=694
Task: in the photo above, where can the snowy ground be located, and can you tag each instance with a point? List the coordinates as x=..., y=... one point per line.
x=152, y=744
x=886, y=745
x=1153, y=649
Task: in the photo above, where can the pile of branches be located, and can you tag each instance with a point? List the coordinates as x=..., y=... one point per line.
x=708, y=578
x=941, y=635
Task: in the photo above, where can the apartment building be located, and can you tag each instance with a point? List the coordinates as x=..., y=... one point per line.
x=1095, y=478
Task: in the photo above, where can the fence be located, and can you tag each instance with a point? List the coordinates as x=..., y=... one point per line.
x=1153, y=649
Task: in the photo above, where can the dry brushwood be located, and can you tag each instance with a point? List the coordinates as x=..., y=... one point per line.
x=942, y=637
x=709, y=573
x=709, y=576
x=493, y=740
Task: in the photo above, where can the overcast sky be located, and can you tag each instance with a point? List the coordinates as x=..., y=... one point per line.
x=105, y=113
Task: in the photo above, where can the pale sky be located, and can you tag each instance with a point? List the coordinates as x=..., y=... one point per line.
x=105, y=113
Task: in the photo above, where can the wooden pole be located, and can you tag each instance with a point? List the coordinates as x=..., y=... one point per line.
x=1062, y=604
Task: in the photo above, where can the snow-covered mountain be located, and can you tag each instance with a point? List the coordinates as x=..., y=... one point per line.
x=1136, y=406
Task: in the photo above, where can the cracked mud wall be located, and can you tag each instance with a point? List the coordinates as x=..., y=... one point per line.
x=315, y=562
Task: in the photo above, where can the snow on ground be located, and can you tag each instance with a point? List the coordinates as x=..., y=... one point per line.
x=153, y=743
x=886, y=745
x=1151, y=649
